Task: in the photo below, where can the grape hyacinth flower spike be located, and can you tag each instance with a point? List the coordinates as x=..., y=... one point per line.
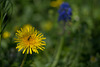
x=65, y=12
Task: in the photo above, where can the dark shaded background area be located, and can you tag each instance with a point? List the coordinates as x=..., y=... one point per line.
x=81, y=46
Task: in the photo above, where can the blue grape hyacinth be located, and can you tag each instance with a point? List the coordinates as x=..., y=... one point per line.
x=65, y=12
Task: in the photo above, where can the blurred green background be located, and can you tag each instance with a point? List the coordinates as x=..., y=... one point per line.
x=81, y=47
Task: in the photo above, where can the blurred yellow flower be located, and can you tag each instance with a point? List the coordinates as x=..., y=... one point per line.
x=93, y=59
x=29, y=40
x=46, y=26
x=56, y=3
x=6, y=34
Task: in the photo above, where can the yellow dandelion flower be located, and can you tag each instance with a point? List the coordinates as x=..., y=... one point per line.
x=29, y=40
x=6, y=34
x=56, y=3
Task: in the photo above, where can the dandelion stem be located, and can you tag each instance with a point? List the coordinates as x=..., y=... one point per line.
x=59, y=52
x=24, y=60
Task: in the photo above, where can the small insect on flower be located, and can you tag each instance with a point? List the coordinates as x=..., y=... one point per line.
x=29, y=40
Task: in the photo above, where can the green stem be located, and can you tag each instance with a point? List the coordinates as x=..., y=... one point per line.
x=24, y=60
x=0, y=34
x=59, y=52
x=0, y=28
